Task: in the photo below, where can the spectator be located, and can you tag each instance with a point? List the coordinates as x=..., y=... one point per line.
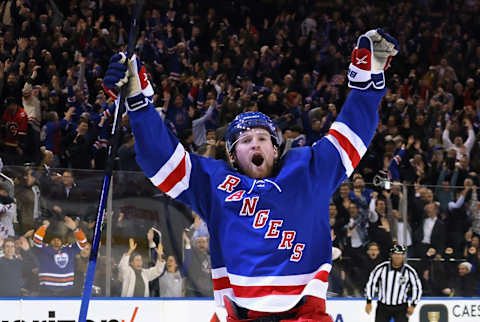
x=443, y=192
x=61, y=196
x=31, y=104
x=7, y=181
x=81, y=264
x=133, y=276
x=336, y=278
x=475, y=212
x=8, y=213
x=464, y=283
x=52, y=133
x=198, y=125
x=14, y=131
x=462, y=148
x=57, y=260
x=171, y=282
x=10, y=269
x=315, y=127
x=79, y=147
x=47, y=176
x=431, y=233
x=357, y=237
x=473, y=244
x=342, y=202
x=336, y=224
x=445, y=72
x=435, y=275
x=30, y=202
x=360, y=195
x=381, y=223
x=357, y=230
x=370, y=259
x=197, y=264
x=177, y=113
x=126, y=153
x=457, y=220
x=29, y=267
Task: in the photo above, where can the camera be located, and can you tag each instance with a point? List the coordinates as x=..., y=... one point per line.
x=381, y=180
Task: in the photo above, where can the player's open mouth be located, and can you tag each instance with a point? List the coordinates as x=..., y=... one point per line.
x=257, y=159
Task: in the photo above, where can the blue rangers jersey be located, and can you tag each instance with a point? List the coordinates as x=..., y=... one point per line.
x=270, y=239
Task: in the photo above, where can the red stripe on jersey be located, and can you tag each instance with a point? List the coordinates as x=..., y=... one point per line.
x=322, y=275
x=174, y=177
x=221, y=283
x=346, y=146
x=264, y=290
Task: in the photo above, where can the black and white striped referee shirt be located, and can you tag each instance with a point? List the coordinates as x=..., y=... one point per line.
x=393, y=285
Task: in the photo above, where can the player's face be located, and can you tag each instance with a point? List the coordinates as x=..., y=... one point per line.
x=255, y=153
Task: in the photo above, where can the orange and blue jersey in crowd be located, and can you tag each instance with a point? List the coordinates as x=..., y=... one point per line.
x=56, y=268
x=270, y=240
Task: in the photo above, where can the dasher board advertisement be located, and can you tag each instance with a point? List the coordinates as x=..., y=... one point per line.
x=188, y=310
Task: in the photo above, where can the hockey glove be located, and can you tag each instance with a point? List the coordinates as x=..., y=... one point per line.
x=370, y=58
x=139, y=90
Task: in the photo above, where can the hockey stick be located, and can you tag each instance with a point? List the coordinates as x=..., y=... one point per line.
x=112, y=151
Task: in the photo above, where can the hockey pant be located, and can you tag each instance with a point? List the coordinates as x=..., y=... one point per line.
x=309, y=309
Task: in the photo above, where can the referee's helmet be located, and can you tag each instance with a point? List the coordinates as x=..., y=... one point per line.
x=398, y=249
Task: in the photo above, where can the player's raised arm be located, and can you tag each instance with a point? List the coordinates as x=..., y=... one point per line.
x=351, y=133
x=161, y=156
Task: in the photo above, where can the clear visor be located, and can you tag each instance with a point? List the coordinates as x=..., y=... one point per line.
x=247, y=136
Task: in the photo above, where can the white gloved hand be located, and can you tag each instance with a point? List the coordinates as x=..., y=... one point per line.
x=134, y=77
x=370, y=58
x=384, y=48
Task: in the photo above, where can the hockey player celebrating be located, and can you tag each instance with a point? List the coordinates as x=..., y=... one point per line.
x=268, y=218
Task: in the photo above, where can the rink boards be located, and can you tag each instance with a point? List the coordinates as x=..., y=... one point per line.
x=193, y=310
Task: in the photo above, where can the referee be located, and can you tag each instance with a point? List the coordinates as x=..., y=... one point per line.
x=393, y=279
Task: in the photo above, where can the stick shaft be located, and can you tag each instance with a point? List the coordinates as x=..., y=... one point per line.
x=112, y=151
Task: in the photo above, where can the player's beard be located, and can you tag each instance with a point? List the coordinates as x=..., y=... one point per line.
x=257, y=172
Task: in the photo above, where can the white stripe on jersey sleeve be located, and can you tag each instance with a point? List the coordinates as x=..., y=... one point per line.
x=169, y=166
x=347, y=163
x=354, y=139
x=183, y=184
